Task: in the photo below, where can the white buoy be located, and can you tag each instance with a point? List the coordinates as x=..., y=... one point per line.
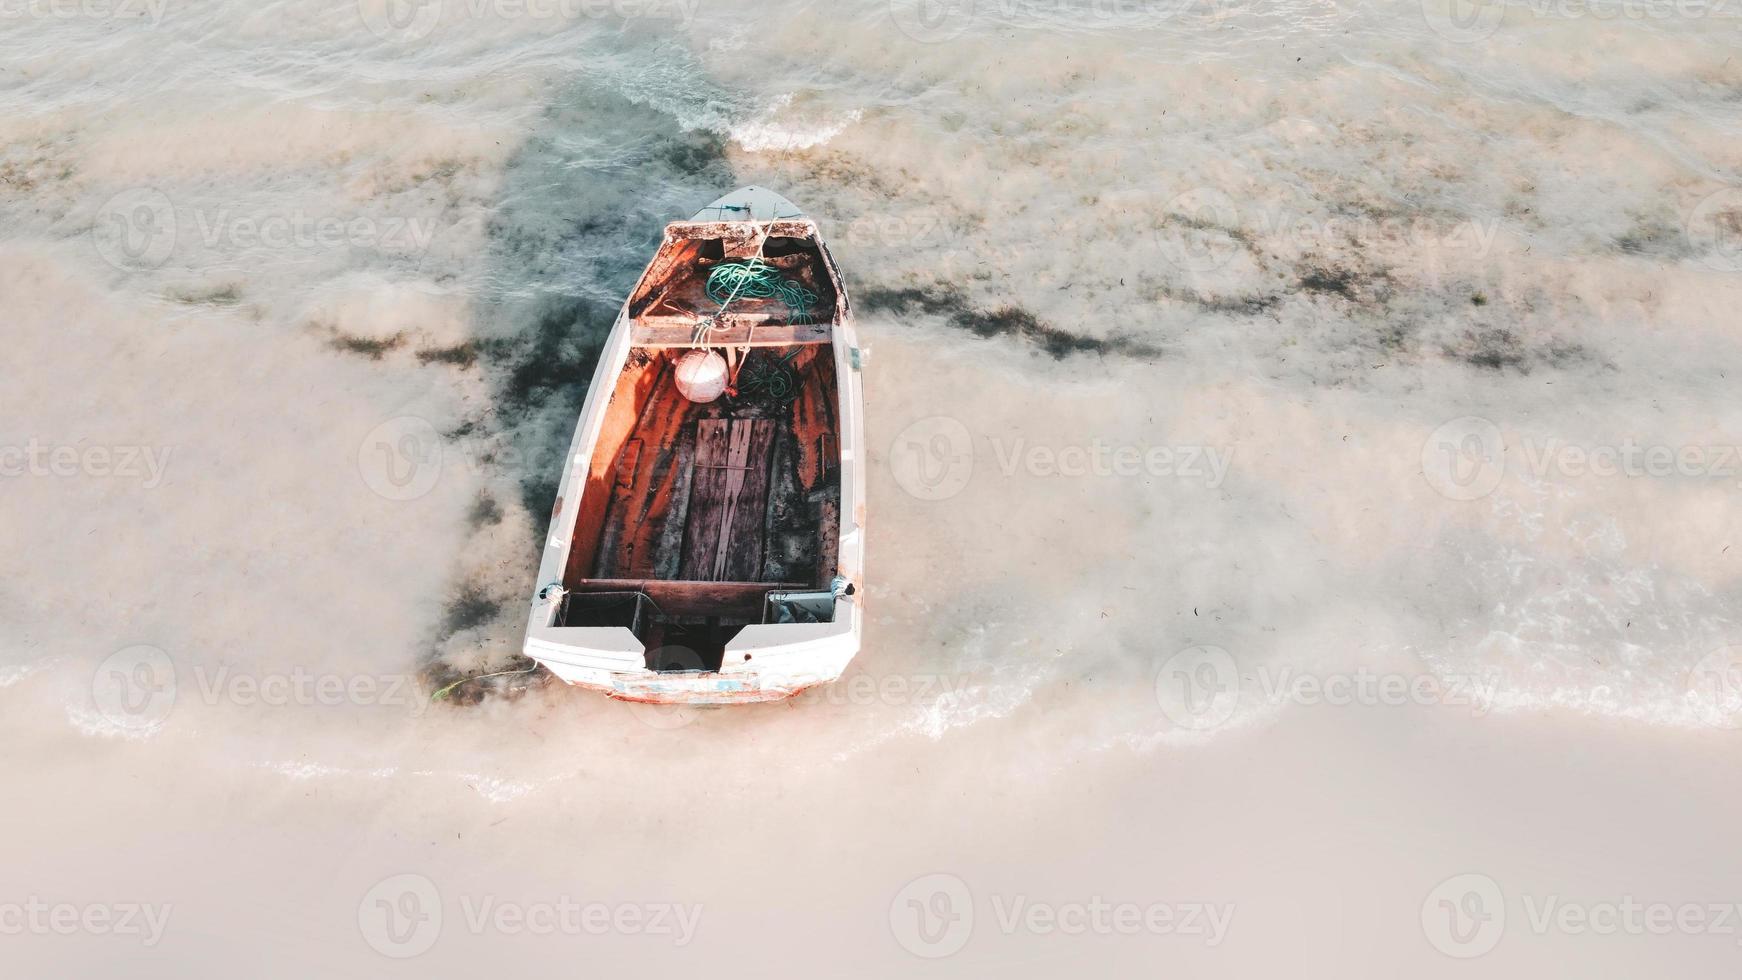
x=701, y=376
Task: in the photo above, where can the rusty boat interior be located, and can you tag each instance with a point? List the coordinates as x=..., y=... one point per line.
x=699, y=518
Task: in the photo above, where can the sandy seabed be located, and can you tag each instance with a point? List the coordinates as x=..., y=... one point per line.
x=1302, y=459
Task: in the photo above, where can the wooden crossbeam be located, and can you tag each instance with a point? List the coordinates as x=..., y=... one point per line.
x=658, y=332
x=733, y=599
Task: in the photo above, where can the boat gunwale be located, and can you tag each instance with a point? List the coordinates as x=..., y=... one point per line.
x=542, y=641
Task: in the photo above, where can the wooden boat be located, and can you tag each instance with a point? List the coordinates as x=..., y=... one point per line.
x=711, y=551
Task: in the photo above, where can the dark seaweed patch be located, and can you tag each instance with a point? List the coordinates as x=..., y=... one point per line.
x=1248, y=305
x=1393, y=337
x=226, y=295
x=1367, y=288
x=545, y=375
x=374, y=348
x=1499, y=349
x=1196, y=223
x=697, y=154
x=538, y=489
x=485, y=512
x=567, y=241
x=580, y=238
x=1003, y=321
x=460, y=355
x=555, y=359
x=1651, y=236
x=1337, y=281
x=470, y=608
x=1494, y=350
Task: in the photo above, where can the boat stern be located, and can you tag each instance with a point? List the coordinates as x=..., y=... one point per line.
x=766, y=662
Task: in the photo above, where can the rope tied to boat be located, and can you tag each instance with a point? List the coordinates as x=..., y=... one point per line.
x=756, y=279
x=444, y=692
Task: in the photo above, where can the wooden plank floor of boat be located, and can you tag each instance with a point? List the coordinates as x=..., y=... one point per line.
x=723, y=536
x=723, y=492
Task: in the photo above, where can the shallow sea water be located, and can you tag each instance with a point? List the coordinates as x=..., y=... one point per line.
x=1241, y=373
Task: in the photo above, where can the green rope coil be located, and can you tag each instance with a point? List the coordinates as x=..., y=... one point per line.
x=773, y=378
x=759, y=280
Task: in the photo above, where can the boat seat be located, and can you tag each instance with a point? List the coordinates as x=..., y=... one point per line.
x=739, y=600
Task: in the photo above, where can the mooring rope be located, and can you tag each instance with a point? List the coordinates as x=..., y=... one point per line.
x=444, y=692
x=757, y=279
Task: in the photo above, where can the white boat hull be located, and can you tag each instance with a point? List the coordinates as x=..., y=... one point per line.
x=763, y=661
